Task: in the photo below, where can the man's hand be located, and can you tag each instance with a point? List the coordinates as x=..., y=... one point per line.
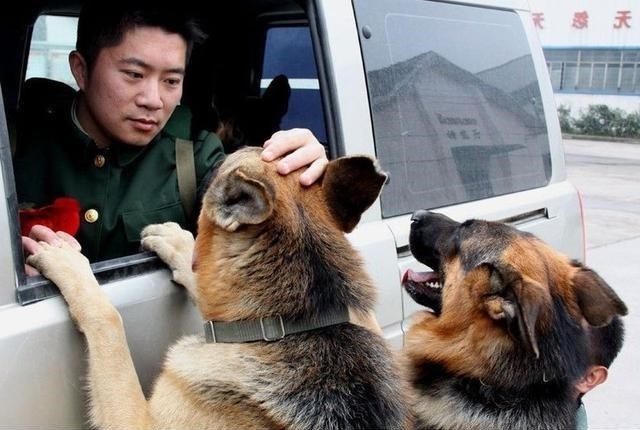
x=303, y=149
x=40, y=233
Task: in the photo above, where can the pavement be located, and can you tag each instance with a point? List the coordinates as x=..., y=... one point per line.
x=606, y=174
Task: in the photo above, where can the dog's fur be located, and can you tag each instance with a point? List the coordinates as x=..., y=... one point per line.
x=507, y=336
x=265, y=246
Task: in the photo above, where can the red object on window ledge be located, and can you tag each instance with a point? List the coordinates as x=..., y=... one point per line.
x=62, y=215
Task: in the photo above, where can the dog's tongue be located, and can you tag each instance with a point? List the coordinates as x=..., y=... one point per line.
x=421, y=277
x=424, y=288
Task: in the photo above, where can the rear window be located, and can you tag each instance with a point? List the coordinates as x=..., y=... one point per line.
x=456, y=106
x=52, y=39
x=289, y=51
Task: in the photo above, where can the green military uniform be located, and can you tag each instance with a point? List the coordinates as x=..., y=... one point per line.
x=120, y=189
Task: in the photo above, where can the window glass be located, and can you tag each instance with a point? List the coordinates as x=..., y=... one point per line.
x=555, y=73
x=289, y=51
x=611, y=81
x=455, y=119
x=626, y=84
x=597, y=83
x=52, y=39
x=584, y=76
x=570, y=75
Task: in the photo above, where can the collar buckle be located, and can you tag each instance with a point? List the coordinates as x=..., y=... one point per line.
x=275, y=323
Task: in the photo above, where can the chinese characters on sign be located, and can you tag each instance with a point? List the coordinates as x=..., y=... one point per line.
x=460, y=128
x=622, y=19
x=538, y=17
x=580, y=21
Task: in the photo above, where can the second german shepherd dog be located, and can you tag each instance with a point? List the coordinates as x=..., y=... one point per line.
x=279, y=285
x=507, y=336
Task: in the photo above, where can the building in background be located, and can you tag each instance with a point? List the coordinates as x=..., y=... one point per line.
x=592, y=48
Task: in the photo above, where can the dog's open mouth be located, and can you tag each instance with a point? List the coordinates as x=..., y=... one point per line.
x=424, y=288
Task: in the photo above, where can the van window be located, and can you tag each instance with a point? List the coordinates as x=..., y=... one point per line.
x=457, y=113
x=289, y=51
x=52, y=39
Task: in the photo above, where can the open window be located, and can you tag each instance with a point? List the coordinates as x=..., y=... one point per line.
x=250, y=45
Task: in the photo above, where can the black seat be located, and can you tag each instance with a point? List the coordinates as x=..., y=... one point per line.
x=42, y=97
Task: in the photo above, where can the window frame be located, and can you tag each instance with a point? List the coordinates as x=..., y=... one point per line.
x=310, y=19
x=259, y=75
x=36, y=288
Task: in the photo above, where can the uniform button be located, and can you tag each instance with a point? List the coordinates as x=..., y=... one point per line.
x=91, y=216
x=99, y=160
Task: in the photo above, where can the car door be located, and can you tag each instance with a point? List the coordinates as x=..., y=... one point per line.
x=42, y=355
x=463, y=128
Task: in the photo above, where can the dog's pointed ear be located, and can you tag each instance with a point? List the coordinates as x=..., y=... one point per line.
x=517, y=301
x=596, y=299
x=276, y=97
x=351, y=184
x=239, y=200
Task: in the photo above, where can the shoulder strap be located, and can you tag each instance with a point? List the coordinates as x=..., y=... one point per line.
x=186, y=172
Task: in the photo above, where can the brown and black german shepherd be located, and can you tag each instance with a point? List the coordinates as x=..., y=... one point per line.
x=504, y=343
x=268, y=250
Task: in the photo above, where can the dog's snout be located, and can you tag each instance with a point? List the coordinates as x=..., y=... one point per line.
x=419, y=214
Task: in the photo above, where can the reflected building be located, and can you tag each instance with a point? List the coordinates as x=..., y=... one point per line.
x=454, y=135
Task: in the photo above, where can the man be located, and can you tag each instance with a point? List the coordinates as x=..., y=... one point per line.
x=108, y=146
x=605, y=344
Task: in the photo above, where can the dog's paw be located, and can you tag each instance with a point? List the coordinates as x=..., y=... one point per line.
x=62, y=265
x=174, y=246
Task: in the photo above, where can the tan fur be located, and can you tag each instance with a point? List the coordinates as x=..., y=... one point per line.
x=509, y=335
x=222, y=386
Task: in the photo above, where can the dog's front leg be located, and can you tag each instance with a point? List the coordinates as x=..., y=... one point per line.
x=174, y=246
x=116, y=398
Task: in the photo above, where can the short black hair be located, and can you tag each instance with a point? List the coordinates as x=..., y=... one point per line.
x=102, y=24
x=606, y=342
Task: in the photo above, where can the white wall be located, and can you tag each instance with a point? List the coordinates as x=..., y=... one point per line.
x=558, y=19
x=560, y=31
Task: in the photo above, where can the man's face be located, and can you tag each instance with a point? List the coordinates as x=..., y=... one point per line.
x=133, y=87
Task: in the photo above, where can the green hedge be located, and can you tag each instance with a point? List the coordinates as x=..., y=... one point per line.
x=600, y=120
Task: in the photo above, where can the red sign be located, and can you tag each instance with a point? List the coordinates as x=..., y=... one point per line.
x=580, y=20
x=538, y=17
x=622, y=19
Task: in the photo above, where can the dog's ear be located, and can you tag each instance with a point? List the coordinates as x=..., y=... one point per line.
x=351, y=184
x=239, y=200
x=276, y=98
x=596, y=299
x=515, y=300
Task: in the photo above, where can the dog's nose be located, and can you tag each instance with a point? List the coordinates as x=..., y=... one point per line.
x=419, y=214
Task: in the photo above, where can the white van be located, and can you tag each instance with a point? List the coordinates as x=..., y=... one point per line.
x=452, y=97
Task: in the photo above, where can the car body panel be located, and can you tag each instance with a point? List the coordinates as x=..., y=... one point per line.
x=42, y=355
